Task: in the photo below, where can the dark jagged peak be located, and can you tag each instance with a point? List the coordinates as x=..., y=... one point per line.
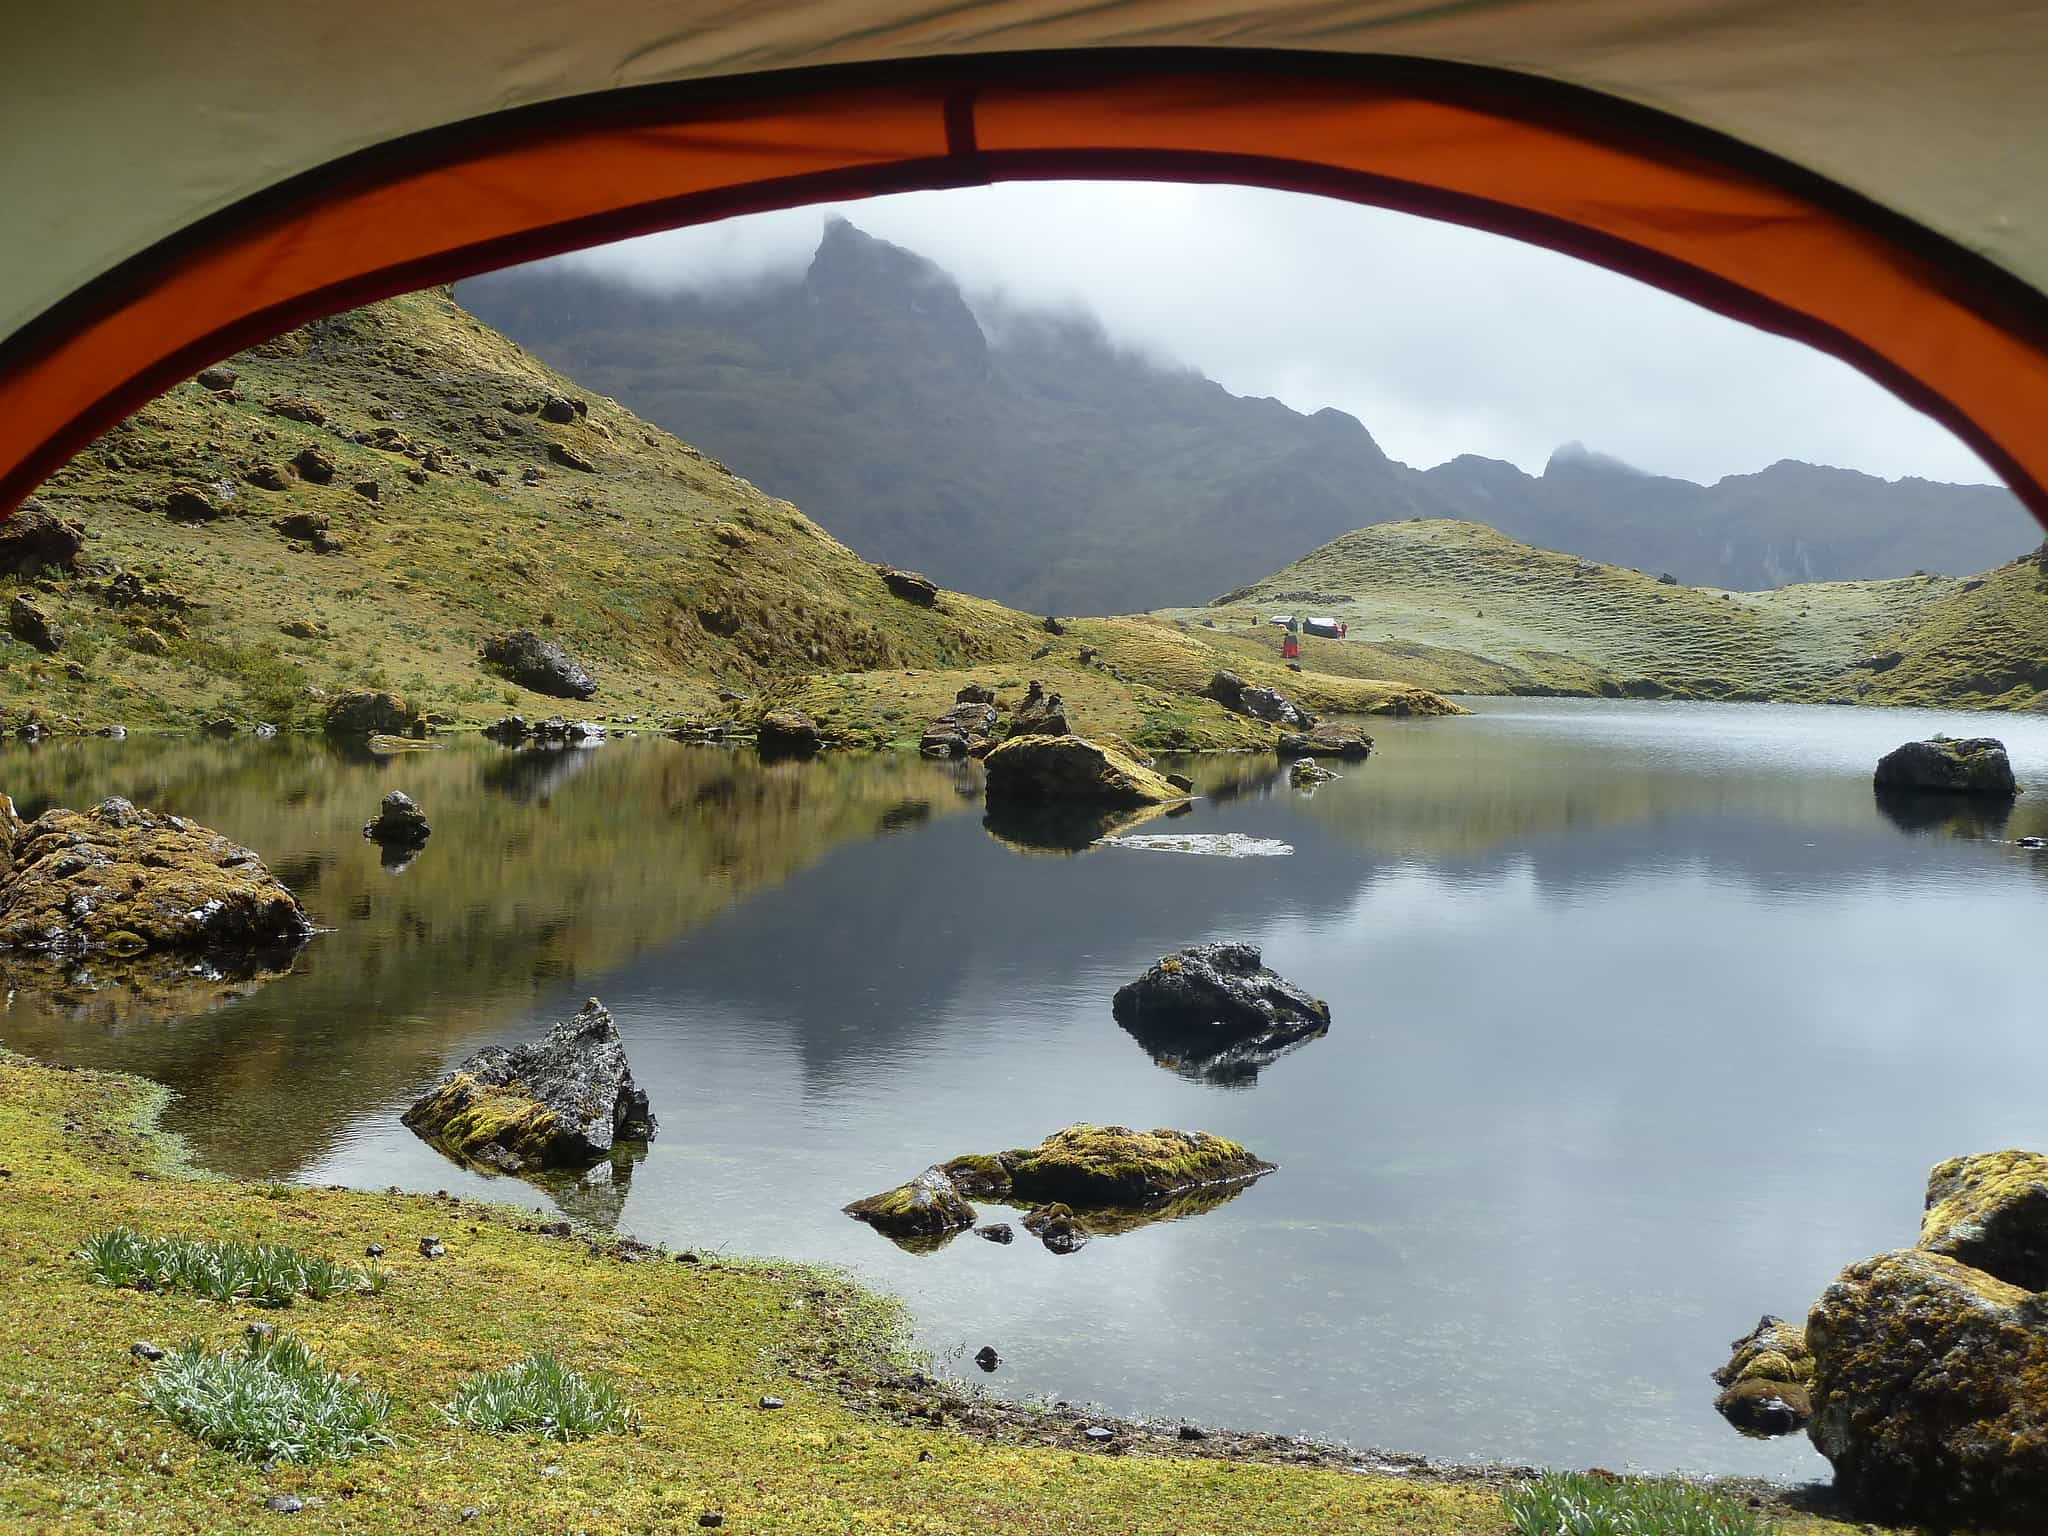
x=859, y=286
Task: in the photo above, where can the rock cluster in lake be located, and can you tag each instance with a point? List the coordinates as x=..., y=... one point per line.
x=562, y=1101
x=1974, y=765
x=1218, y=1012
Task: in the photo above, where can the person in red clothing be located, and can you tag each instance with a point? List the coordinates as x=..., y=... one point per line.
x=1290, y=647
x=1343, y=631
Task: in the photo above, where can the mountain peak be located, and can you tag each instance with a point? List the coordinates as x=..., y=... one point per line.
x=1577, y=456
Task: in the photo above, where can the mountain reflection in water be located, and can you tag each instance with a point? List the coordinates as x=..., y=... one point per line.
x=1647, y=1019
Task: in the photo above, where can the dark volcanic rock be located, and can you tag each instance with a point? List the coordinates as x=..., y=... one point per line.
x=314, y=465
x=35, y=538
x=510, y=729
x=123, y=881
x=30, y=625
x=925, y=1207
x=1039, y=713
x=787, y=733
x=540, y=664
x=561, y=1101
x=1974, y=765
x=399, y=821
x=909, y=585
x=1216, y=1011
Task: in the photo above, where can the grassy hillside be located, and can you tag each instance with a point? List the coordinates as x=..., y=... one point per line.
x=456, y=508
x=1460, y=607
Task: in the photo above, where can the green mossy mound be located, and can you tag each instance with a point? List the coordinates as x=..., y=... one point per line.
x=485, y=1124
x=1990, y=1212
x=1092, y=1166
x=1037, y=770
x=1768, y=1380
x=925, y=1206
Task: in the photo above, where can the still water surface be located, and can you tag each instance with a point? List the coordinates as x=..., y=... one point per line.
x=1647, y=1020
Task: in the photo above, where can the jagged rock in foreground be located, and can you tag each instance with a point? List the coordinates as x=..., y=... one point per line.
x=1218, y=995
x=1088, y=1166
x=1240, y=697
x=1034, y=770
x=928, y=1206
x=535, y=662
x=399, y=822
x=123, y=881
x=1974, y=765
x=557, y=1102
x=365, y=711
x=1930, y=1393
x=35, y=537
x=1768, y=1380
x=1990, y=1212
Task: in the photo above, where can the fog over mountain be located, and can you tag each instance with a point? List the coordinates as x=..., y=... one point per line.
x=1023, y=453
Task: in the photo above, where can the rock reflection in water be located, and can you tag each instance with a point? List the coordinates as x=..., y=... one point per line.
x=1066, y=829
x=1219, y=1064
x=1919, y=810
x=113, y=993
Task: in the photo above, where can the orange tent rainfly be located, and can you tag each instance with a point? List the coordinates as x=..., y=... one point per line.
x=183, y=180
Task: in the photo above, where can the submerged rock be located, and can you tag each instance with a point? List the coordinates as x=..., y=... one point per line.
x=1930, y=1393
x=561, y=1101
x=123, y=881
x=1086, y=1166
x=1768, y=1380
x=1990, y=1212
x=1216, y=1011
x=926, y=1206
x=787, y=733
x=1039, y=769
x=399, y=822
x=1975, y=765
x=535, y=662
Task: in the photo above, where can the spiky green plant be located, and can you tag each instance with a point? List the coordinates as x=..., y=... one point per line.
x=1576, y=1504
x=265, y=1274
x=268, y=1401
x=540, y=1396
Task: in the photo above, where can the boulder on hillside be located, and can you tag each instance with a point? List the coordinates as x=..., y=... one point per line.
x=909, y=585
x=30, y=625
x=399, y=822
x=927, y=1206
x=975, y=693
x=362, y=711
x=1039, y=713
x=1089, y=1166
x=1768, y=1381
x=1975, y=765
x=1990, y=1212
x=1211, y=999
x=959, y=730
x=562, y=1101
x=123, y=881
x=315, y=465
x=1036, y=770
x=787, y=733
x=1930, y=1393
x=538, y=663
x=35, y=539
x=1268, y=704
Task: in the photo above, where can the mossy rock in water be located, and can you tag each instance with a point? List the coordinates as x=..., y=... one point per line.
x=1930, y=1393
x=1975, y=765
x=1767, y=1382
x=1090, y=1166
x=1035, y=770
x=1990, y=1211
x=925, y=1207
x=128, y=881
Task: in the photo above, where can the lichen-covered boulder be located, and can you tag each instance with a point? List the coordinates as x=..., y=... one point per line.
x=362, y=711
x=1087, y=1166
x=1975, y=765
x=1768, y=1380
x=1036, y=770
x=1990, y=1212
x=558, y=1102
x=1217, y=996
x=123, y=881
x=1930, y=1392
x=926, y=1206
x=787, y=733
x=399, y=821
x=35, y=538
x=538, y=663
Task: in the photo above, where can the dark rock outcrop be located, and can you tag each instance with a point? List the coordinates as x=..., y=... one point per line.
x=1036, y=770
x=926, y=1206
x=1269, y=704
x=35, y=539
x=1216, y=1011
x=30, y=625
x=509, y=729
x=1039, y=713
x=909, y=585
x=364, y=711
x=399, y=822
x=123, y=881
x=538, y=663
x=1990, y=1212
x=1306, y=772
x=1325, y=741
x=561, y=1101
x=1975, y=765
x=787, y=733
x=1057, y=1227
x=1768, y=1380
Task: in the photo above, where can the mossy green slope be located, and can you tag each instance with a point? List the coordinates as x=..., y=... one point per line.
x=1458, y=606
x=1982, y=644
x=692, y=1347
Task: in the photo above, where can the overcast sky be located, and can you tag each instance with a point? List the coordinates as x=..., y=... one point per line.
x=1441, y=340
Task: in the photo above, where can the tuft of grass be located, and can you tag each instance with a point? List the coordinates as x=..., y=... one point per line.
x=1578, y=1504
x=540, y=1396
x=265, y=1274
x=269, y=1401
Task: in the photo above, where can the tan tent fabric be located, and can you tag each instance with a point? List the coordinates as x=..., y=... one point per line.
x=181, y=179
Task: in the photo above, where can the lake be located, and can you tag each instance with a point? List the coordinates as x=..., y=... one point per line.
x=1648, y=1018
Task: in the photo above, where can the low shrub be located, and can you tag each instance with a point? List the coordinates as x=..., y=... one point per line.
x=1578, y=1504
x=540, y=1396
x=266, y=1274
x=268, y=1401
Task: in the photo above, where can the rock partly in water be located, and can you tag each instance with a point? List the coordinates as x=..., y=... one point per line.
x=536, y=662
x=508, y=729
x=1086, y=1166
x=1269, y=704
x=1990, y=1212
x=1035, y=770
x=1306, y=773
x=1057, y=1227
x=399, y=822
x=1216, y=1012
x=1930, y=1393
x=1768, y=1381
x=363, y=711
x=123, y=881
x=561, y=1101
x=926, y=1206
x=1975, y=765
x=1329, y=741
x=35, y=539
x=787, y=733
x=30, y=625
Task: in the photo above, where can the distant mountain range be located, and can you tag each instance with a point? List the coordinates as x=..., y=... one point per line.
x=1027, y=457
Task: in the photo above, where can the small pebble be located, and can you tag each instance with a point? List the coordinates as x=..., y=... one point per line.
x=142, y=1349
x=260, y=1330
x=1193, y=1432
x=686, y=1258
x=283, y=1504
x=924, y=1455
x=468, y=1514
x=1098, y=1434
x=771, y=1402
x=374, y=1251
x=711, y=1519
x=430, y=1248
x=987, y=1358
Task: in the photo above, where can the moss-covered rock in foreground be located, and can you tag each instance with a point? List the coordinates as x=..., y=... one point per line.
x=926, y=1206
x=121, y=881
x=1090, y=1166
x=1768, y=1380
x=1038, y=770
x=558, y=1102
x=1990, y=1212
x=1930, y=1393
